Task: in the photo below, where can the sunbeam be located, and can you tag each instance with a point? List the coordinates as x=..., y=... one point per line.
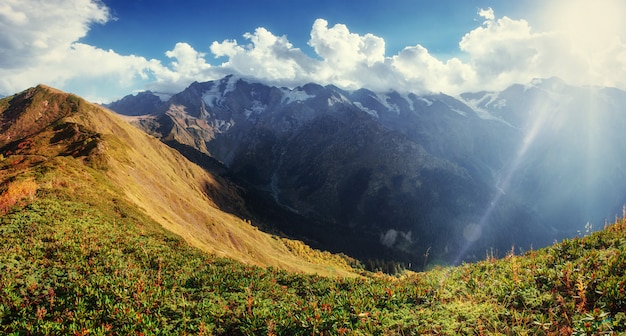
x=567, y=168
x=541, y=114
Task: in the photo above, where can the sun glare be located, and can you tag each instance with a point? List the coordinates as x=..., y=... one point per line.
x=591, y=25
x=590, y=35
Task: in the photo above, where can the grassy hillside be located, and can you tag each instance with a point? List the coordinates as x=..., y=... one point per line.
x=85, y=251
x=70, y=139
x=76, y=263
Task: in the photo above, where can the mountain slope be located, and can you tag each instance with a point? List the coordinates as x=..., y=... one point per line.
x=52, y=135
x=568, y=161
x=395, y=175
x=374, y=175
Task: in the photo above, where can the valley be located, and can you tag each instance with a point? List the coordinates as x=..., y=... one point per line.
x=397, y=174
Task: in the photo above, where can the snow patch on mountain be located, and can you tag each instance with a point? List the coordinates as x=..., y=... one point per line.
x=215, y=95
x=409, y=100
x=371, y=112
x=428, y=102
x=463, y=113
x=256, y=108
x=230, y=83
x=212, y=97
x=500, y=103
x=384, y=100
x=337, y=98
x=478, y=104
x=493, y=100
x=291, y=96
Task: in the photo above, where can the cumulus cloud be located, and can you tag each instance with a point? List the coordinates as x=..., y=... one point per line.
x=423, y=72
x=345, y=50
x=266, y=56
x=187, y=65
x=505, y=50
x=39, y=43
x=487, y=13
x=581, y=46
x=497, y=53
x=30, y=30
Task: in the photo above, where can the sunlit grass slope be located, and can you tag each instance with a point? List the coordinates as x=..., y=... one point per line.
x=43, y=124
x=75, y=261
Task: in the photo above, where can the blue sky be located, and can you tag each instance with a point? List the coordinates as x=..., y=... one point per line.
x=148, y=27
x=105, y=49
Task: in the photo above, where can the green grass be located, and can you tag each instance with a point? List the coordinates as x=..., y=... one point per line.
x=73, y=263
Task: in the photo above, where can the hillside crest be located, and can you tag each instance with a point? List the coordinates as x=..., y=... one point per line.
x=43, y=125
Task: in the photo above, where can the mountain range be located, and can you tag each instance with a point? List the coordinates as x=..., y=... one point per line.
x=399, y=175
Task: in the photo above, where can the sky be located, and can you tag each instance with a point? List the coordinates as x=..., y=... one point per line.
x=105, y=49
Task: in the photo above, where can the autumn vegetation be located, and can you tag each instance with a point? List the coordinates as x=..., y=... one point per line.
x=74, y=262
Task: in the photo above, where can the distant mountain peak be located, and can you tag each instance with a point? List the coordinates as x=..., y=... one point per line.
x=141, y=103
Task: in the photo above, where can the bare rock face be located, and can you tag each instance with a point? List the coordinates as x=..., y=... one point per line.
x=391, y=175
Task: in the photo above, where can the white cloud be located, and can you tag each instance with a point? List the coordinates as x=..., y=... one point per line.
x=188, y=65
x=580, y=45
x=267, y=56
x=423, y=72
x=499, y=52
x=348, y=59
x=82, y=66
x=33, y=29
x=344, y=50
x=188, y=61
x=228, y=48
x=39, y=43
x=505, y=50
x=487, y=13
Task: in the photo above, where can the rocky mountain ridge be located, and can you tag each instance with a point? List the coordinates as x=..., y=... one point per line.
x=400, y=175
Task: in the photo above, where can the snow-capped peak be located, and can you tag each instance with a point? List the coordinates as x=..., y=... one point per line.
x=480, y=103
x=229, y=83
x=219, y=89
